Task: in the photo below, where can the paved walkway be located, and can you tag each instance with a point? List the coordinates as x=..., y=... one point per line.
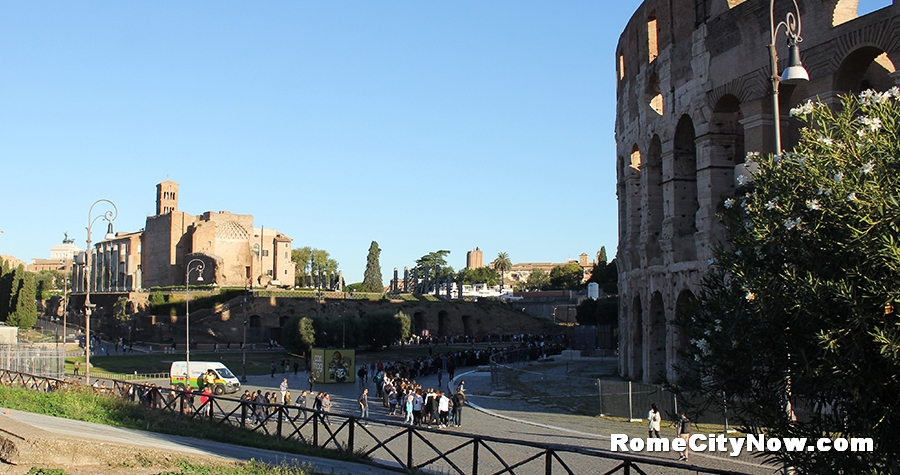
x=515, y=418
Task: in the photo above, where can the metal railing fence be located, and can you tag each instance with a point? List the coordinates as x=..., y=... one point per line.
x=385, y=444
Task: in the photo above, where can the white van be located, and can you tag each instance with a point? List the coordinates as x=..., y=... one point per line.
x=226, y=381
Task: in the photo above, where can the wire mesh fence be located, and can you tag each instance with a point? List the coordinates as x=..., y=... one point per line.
x=573, y=386
x=47, y=360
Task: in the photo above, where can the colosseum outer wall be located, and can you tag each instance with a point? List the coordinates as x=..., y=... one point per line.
x=693, y=96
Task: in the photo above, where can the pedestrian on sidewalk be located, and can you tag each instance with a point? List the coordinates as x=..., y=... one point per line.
x=459, y=400
x=311, y=380
x=282, y=388
x=654, y=418
x=683, y=430
x=363, y=401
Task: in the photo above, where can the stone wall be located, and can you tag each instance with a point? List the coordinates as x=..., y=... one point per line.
x=693, y=96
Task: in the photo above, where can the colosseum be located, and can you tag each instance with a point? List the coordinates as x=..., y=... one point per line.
x=694, y=95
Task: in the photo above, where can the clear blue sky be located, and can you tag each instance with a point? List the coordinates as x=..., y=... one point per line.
x=419, y=125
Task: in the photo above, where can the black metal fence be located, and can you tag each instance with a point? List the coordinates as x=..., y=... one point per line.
x=386, y=444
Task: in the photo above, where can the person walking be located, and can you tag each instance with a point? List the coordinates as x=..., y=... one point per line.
x=409, y=409
x=654, y=418
x=443, y=406
x=683, y=430
x=311, y=380
x=363, y=401
x=273, y=367
x=282, y=388
x=459, y=400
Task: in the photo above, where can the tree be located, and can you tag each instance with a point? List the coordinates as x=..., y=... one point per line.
x=502, y=264
x=372, y=281
x=312, y=261
x=567, y=276
x=480, y=275
x=601, y=255
x=604, y=311
x=539, y=279
x=299, y=335
x=799, y=311
x=23, y=309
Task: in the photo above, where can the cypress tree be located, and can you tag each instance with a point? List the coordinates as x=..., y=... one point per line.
x=372, y=279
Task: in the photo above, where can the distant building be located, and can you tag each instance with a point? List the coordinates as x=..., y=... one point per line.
x=521, y=271
x=61, y=256
x=234, y=253
x=474, y=259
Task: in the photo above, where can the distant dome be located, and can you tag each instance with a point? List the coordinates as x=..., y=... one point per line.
x=232, y=231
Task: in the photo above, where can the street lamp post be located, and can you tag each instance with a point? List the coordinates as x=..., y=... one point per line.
x=109, y=216
x=244, y=344
x=187, y=313
x=795, y=73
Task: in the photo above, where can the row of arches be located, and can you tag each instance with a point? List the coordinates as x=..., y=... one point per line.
x=663, y=183
x=650, y=343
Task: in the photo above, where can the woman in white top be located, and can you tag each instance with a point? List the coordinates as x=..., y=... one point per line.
x=654, y=417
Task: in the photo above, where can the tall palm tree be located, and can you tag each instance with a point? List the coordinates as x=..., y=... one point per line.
x=502, y=264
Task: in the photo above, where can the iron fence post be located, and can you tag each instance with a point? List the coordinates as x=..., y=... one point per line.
x=475, y=443
x=350, y=434
x=548, y=462
x=243, y=414
x=280, y=409
x=409, y=448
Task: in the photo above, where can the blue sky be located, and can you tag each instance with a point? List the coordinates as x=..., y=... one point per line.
x=419, y=125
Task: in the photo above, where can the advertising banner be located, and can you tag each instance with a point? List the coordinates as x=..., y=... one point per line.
x=333, y=365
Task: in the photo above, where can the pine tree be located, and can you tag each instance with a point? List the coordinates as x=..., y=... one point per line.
x=372, y=279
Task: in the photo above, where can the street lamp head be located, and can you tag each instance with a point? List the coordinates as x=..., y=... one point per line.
x=200, y=277
x=795, y=73
x=109, y=232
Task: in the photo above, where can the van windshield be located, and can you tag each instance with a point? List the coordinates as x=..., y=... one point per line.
x=225, y=373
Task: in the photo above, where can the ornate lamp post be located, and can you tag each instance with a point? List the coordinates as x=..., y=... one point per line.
x=795, y=73
x=109, y=216
x=187, y=312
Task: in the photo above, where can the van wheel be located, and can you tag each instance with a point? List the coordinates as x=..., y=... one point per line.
x=220, y=389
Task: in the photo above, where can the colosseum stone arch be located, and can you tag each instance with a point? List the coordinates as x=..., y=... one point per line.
x=693, y=96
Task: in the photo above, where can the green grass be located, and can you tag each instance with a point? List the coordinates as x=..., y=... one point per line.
x=82, y=404
x=183, y=467
x=248, y=468
x=257, y=362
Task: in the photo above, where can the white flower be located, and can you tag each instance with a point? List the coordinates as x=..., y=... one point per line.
x=826, y=140
x=791, y=223
x=772, y=204
x=861, y=133
x=867, y=168
x=851, y=196
x=894, y=92
x=710, y=262
x=742, y=180
x=750, y=296
x=729, y=203
x=803, y=109
x=696, y=357
x=737, y=253
x=824, y=191
x=813, y=205
x=871, y=98
x=750, y=156
x=873, y=124
x=838, y=176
